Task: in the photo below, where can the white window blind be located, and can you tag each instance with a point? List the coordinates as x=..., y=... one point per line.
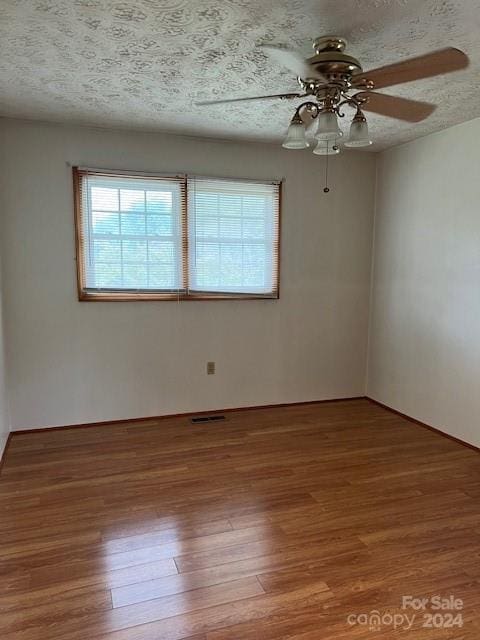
x=131, y=230
x=179, y=237
x=233, y=236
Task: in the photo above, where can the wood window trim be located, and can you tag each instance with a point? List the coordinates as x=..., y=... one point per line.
x=86, y=295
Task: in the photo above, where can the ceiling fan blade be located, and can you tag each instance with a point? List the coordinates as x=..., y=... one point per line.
x=427, y=66
x=281, y=96
x=395, y=107
x=291, y=60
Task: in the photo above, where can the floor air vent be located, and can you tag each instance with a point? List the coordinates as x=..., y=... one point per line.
x=214, y=418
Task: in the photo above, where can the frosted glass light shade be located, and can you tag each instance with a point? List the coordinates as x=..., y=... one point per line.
x=295, y=137
x=328, y=128
x=326, y=148
x=359, y=136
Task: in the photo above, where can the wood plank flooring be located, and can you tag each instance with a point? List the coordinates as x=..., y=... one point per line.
x=274, y=524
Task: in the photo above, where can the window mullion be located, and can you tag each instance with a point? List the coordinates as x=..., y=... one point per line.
x=184, y=224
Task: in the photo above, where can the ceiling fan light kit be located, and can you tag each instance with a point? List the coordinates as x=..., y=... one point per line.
x=296, y=134
x=359, y=135
x=326, y=148
x=328, y=128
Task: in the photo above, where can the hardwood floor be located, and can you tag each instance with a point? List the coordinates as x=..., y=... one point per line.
x=274, y=524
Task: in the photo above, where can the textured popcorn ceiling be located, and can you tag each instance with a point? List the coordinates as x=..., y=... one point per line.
x=142, y=64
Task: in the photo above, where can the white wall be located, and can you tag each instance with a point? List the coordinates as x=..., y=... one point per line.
x=424, y=355
x=72, y=362
x=4, y=419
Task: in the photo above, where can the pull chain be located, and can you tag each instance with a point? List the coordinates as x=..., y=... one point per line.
x=326, y=189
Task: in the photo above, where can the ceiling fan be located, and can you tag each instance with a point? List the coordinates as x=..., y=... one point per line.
x=332, y=80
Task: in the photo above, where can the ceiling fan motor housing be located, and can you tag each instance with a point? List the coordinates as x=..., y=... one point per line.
x=330, y=59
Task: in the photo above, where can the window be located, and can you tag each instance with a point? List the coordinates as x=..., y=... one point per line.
x=179, y=237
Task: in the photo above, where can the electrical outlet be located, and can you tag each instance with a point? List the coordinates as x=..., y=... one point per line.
x=210, y=368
